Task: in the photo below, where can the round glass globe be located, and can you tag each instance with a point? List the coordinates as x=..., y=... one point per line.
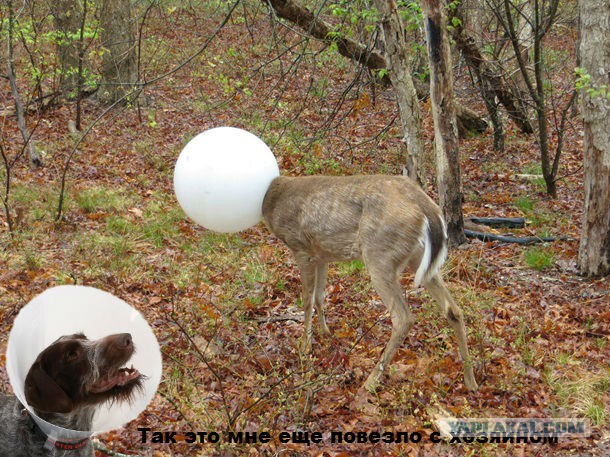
x=221, y=178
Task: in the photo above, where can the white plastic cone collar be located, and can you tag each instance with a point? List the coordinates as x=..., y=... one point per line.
x=65, y=310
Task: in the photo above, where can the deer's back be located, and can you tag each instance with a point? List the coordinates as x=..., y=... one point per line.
x=337, y=217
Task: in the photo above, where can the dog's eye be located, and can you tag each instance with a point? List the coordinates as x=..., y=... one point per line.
x=72, y=354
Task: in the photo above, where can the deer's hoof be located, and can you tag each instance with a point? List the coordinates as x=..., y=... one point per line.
x=471, y=384
x=323, y=330
x=373, y=382
x=304, y=345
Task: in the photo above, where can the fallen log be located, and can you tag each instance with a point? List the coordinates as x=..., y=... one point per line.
x=484, y=236
x=506, y=222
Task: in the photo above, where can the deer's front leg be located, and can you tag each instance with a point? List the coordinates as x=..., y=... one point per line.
x=321, y=274
x=308, y=282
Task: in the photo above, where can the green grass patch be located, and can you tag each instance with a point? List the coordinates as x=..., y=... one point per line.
x=161, y=224
x=539, y=258
x=353, y=267
x=580, y=392
x=39, y=202
x=524, y=204
x=32, y=259
x=119, y=225
x=95, y=199
x=536, y=216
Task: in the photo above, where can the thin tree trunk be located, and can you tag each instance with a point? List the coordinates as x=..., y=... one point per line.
x=543, y=19
x=594, y=253
x=541, y=114
x=397, y=59
x=29, y=145
x=445, y=128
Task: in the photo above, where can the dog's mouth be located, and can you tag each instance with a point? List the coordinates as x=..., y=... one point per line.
x=120, y=378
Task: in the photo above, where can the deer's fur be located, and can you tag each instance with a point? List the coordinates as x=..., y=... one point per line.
x=388, y=222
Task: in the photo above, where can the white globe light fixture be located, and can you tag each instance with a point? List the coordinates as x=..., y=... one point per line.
x=221, y=178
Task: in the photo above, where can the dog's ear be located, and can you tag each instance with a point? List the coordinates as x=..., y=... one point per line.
x=44, y=394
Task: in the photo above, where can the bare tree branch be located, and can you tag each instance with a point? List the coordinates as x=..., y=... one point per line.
x=354, y=50
x=316, y=27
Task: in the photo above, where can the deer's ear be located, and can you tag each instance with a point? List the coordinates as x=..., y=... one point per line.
x=44, y=394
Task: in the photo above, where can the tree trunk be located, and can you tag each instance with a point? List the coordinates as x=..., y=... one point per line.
x=68, y=19
x=471, y=16
x=544, y=17
x=443, y=111
x=397, y=59
x=594, y=254
x=119, y=62
x=526, y=30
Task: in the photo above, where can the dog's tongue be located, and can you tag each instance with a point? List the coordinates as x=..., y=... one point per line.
x=122, y=377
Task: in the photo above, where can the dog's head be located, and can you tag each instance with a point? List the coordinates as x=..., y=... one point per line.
x=74, y=372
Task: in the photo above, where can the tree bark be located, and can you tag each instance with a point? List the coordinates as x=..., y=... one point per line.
x=398, y=64
x=594, y=253
x=68, y=19
x=445, y=127
x=119, y=62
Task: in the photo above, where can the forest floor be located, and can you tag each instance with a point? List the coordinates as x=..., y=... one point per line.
x=225, y=308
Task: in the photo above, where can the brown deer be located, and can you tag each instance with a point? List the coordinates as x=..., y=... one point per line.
x=387, y=221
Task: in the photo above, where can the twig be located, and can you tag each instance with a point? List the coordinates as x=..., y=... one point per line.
x=282, y=318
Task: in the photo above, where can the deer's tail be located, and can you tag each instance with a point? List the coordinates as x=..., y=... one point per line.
x=433, y=238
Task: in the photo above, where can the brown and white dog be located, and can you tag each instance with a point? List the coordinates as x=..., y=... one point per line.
x=67, y=382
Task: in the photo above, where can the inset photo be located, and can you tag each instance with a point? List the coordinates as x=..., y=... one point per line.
x=80, y=362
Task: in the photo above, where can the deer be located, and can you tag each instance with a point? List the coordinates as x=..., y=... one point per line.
x=390, y=223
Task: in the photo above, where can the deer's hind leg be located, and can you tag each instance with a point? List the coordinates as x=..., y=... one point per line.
x=437, y=289
x=384, y=278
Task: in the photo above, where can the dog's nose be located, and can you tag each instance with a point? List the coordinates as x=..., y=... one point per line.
x=124, y=340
